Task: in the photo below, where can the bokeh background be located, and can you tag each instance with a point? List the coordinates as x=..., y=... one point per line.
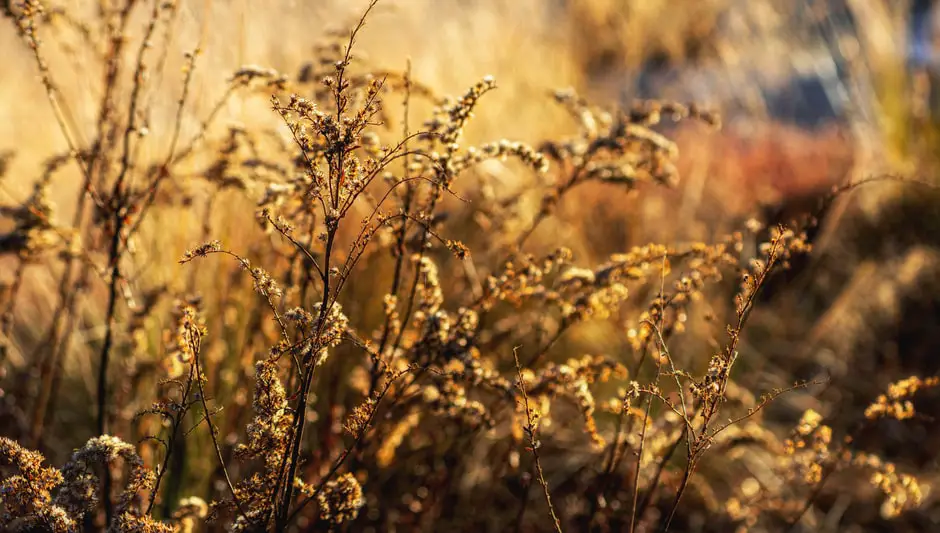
x=813, y=93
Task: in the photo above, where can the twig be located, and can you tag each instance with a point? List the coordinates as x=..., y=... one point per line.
x=194, y=342
x=533, y=442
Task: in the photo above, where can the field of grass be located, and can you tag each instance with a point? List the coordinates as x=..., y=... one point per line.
x=442, y=265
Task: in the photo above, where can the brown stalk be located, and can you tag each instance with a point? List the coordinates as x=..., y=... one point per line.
x=50, y=366
x=119, y=206
x=337, y=163
x=744, y=311
x=196, y=344
x=534, y=444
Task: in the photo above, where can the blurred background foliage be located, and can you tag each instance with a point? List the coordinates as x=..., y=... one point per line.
x=813, y=93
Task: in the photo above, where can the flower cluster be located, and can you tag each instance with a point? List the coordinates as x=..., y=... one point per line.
x=896, y=403
x=341, y=499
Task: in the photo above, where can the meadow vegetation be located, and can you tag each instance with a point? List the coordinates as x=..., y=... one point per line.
x=333, y=294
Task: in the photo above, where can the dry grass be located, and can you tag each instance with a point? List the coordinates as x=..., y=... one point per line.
x=322, y=295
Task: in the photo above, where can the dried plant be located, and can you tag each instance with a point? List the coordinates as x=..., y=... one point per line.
x=347, y=347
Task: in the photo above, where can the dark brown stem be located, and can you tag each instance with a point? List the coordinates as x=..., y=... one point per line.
x=212, y=430
x=534, y=443
x=338, y=463
x=6, y=321
x=171, y=443
x=689, y=469
x=639, y=464
x=104, y=358
x=300, y=410
x=402, y=233
x=654, y=483
x=95, y=167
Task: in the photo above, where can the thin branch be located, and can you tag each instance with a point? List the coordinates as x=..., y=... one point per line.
x=533, y=442
x=207, y=417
